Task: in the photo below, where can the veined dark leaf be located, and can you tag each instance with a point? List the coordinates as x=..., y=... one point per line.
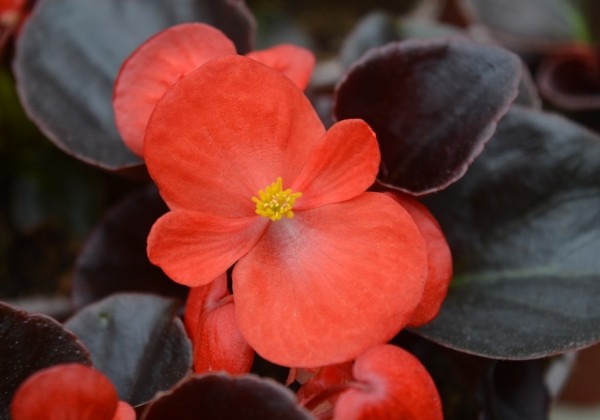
x=524, y=229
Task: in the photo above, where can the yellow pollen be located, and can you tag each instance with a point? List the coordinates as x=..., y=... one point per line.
x=275, y=203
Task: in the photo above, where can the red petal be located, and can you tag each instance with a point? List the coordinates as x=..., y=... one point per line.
x=194, y=248
x=210, y=322
x=69, y=391
x=393, y=385
x=323, y=287
x=326, y=377
x=295, y=62
x=211, y=149
x=156, y=66
x=124, y=412
x=439, y=260
x=342, y=166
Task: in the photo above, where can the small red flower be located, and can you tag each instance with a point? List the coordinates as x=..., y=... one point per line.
x=69, y=391
x=168, y=56
x=323, y=270
x=390, y=383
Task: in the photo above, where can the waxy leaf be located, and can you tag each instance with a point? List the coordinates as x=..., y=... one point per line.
x=524, y=229
x=114, y=258
x=70, y=51
x=219, y=396
x=28, y=343
x=137, y=341
x=433, y=105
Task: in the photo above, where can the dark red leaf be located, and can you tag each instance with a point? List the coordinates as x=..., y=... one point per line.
x=28, y=343
x=433, y=105
x=570, y=78
x=219, y=396
x=114, y=258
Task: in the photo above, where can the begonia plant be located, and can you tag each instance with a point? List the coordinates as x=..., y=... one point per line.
x=303, y=210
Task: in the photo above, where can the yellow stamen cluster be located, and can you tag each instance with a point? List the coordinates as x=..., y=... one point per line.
x=275, y=203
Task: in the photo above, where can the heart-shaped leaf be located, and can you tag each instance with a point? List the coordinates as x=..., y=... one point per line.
x=223, y=397
x=137, y=341
x=70, y=51
x=433, y=105
x=28, y=343
x=114, y=258
x=524, y=229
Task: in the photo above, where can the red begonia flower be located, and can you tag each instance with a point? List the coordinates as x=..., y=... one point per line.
x=391, y=384
x=439, y=259
x=69, y=391
x=168, y=56
x=324, y=269
x=210, y=322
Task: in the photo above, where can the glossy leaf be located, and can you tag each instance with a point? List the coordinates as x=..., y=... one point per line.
x=137, y=341
x=70, y=51
x=433, y=105
x=524, y=230
x=28, y=343
x=219, y=396
x=114, y=257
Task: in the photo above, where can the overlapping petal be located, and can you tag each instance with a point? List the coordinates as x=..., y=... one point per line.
x=211, y=325
x=439, y=273
x=194, y=248
x=69, y=391
x=343, y=165
x=157, y=65
x=297, y=63
x=225, y=131
x=324, y=286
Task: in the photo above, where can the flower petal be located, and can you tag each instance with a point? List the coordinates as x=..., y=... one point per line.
x=225, y=131
x=324, y=286
x=439, y=259
x=157, y=65
x=124, y=412
x=342, y=166
x=63, y=392
x=395, y=385
x=194, y=248
x=211, y=325
x=297, y=63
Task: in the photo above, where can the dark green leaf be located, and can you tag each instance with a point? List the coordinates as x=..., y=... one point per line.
x=70, y=51
x=524, y=229
x=28, y=343
x=137, y=341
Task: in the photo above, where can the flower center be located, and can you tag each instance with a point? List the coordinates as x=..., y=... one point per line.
x=275, y=203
